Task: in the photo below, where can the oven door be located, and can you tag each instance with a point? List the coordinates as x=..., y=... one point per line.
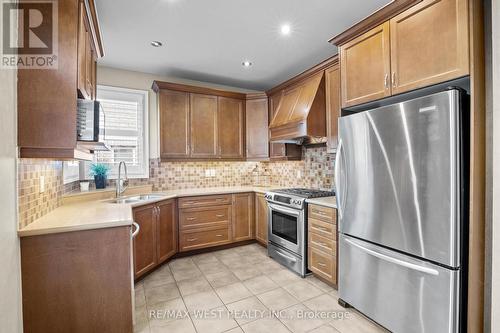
x=286, y=227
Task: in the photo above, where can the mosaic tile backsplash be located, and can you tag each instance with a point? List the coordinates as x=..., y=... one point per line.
x=314, y=171
x=33, y=204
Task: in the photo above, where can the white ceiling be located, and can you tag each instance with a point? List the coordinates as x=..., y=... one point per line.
x=207, y=40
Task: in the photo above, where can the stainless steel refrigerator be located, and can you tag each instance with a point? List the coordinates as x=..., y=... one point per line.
x=400, y=188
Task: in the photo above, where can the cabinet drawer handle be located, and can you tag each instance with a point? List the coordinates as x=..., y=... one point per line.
x=220, y=199
x=321, y=243
x=191, y=218
x=220, y=215
x=321, y=264
x=319, y=212
x=321, y=228
x=189, y=202
x=192, y=239
x=219, y=235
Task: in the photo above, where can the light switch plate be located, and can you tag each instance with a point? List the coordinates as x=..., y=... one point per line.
x=42, y=184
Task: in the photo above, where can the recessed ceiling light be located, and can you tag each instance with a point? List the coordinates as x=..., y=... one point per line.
x=246, y=63
x=156, y=43
x=286, y=29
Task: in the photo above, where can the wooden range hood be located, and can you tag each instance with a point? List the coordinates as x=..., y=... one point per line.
x=301, y=114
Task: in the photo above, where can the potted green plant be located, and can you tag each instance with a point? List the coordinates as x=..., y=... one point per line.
x=100, y=172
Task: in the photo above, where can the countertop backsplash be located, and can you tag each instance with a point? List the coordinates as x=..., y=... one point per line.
x=315, y=170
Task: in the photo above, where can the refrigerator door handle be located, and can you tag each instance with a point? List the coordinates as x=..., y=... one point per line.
x=392, y=259
x=337, y=183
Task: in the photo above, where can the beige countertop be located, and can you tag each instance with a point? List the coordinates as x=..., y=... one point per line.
x=96, y=214
x=325, y=201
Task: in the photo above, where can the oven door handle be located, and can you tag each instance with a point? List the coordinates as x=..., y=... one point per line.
x=292, y=259
x=284, y=210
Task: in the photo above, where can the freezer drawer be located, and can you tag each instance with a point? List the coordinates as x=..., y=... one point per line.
x=399, y=292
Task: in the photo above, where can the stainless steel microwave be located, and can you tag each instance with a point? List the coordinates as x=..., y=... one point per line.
x=88, y=120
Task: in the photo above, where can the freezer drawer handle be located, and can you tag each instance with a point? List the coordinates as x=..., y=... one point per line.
x=394, y=260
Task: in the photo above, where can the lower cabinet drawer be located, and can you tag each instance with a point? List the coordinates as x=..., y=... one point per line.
x=322, y=213
x=204, y=217
x=321, y=243
x=323, y=264
x=322, y=228
x=204, y=201
x=196, y=239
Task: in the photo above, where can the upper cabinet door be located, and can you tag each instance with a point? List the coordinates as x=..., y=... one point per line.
x=332, y=79
x=365, y=67
x=429, y=44
x=275, y=149
x=231, y=127
x=81, y=52
x=174, y=124
x=257, y=133
x=203, y=126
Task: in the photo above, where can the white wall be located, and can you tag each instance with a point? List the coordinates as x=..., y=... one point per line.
x=144, y=81
x=10, y=279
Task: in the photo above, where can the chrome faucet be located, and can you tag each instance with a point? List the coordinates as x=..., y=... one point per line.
x=121, y=185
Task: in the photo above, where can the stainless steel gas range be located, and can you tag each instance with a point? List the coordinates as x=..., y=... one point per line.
x=288, y=226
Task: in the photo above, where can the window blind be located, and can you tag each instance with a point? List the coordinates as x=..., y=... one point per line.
x=124, y=130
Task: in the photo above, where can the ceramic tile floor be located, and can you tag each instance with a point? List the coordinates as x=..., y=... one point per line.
x=239, y=290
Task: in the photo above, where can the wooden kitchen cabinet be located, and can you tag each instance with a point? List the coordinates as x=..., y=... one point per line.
x=441, y=56
x=175, y=126
x=77, y=281
x=47, y=98
x=157, y=238
x=166, y=230
x=204, y=132
x=200, y=123
x=243, y=216
x=333, y=108
x=261, y=218
x=275, y=149
x=86, y=81
x=322, y=242
x=145, y=247
x=204, y=221
x=365, y=65
x=230, y=124
x=424, y=45
x=257, y=131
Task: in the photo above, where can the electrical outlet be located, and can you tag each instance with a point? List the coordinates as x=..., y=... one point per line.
x=42, y=184
x=212, y=172
x=299, y=174
x=207, y=173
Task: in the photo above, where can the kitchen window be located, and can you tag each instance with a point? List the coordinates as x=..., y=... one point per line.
x=124, y=130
